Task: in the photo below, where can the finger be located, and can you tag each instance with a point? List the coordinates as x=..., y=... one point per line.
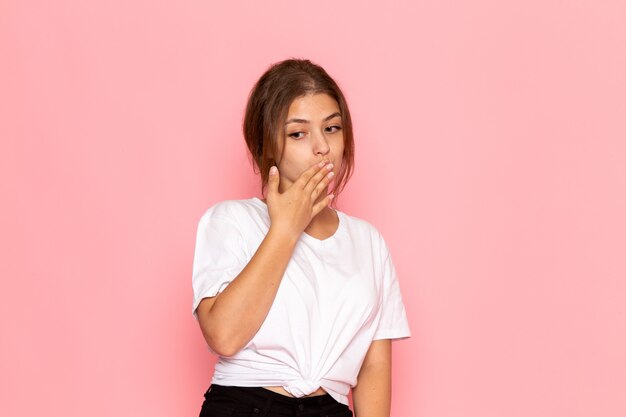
x=321, y=185
x=319, y=177
x=273, y=180
x=304, y=178
x=322, y=204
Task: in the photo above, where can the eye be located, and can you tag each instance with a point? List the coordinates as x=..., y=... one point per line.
x=337, y=128
x=293, y=135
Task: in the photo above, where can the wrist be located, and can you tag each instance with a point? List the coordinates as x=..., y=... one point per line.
x=283, y=234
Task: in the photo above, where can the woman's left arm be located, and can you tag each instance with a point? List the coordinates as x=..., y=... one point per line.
x=371, y=396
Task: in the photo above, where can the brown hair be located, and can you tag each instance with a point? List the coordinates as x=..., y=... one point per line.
x=268, y=106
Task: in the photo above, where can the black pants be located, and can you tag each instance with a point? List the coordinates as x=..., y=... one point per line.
x=224, y=401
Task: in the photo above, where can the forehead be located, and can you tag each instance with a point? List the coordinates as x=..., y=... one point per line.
x=313, y=103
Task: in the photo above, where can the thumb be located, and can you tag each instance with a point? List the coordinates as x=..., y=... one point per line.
x=273, y=179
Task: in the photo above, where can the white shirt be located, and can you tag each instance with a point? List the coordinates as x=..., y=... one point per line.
x=336, y=296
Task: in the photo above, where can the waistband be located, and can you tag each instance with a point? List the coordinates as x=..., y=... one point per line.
x=264, y=399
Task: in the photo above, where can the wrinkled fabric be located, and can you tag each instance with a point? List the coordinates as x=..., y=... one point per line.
x=336, y=296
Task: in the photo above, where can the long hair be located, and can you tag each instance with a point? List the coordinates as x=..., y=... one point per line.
x=268, y=106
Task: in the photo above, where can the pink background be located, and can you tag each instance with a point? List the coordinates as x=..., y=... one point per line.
x=491, y=154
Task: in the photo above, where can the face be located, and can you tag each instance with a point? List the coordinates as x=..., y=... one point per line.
x=312, y=132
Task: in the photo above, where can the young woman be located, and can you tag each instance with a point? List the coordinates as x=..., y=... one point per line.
x=299, y=300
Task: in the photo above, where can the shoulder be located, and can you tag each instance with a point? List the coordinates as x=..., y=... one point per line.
x=230, y=209
x=230, y=214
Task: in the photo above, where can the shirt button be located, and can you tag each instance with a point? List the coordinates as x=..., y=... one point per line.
x=301, y=406
x=256, y=410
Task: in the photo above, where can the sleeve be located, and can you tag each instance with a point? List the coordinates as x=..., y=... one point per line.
x=219, y=256
x=393, y=321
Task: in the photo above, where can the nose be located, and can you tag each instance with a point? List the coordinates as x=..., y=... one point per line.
x=320, y=144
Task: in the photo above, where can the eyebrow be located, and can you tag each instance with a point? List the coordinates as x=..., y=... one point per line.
x=294, y=120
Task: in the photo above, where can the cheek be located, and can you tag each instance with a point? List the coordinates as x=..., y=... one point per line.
x=289, y=167
x=341, y=141
x=338, y=150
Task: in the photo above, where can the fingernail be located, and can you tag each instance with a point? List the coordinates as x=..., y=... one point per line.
x=273, y=170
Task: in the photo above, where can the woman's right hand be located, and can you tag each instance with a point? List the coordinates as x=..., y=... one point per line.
x=293, y=210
